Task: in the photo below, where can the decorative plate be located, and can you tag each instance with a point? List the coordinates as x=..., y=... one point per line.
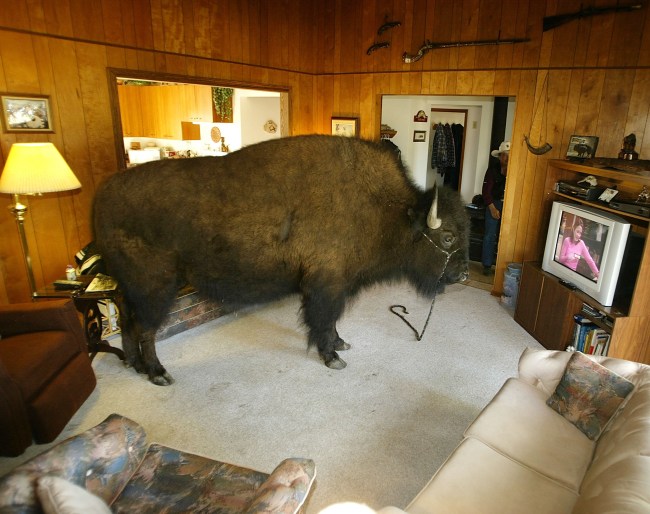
x=215, y=134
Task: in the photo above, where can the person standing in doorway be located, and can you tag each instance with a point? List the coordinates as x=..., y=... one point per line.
x=494, y=185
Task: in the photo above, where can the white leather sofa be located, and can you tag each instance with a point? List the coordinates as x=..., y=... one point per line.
x=521, y=456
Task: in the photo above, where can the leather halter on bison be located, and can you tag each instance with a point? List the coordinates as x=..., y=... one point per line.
x=322, y=216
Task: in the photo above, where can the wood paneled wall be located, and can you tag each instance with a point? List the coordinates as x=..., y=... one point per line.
x=590, y=76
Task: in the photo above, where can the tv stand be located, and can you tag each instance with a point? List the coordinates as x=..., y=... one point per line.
x=545, y=307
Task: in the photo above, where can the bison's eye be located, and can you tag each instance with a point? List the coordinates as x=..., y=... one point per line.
x=447, y=239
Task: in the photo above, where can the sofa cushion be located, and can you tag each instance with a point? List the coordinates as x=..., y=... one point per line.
x=589, y=394
x=518, y=423
x=58, y=496
x=183, y=482
x=542, y=368
x=475, y=478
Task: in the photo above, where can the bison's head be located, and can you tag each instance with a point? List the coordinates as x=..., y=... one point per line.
x=440, y=228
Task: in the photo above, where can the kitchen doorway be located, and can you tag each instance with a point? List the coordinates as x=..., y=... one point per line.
x=160, y=115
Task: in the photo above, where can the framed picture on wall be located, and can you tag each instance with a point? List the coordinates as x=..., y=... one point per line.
x=26, y=113
x=347, y=127
x=419, y=136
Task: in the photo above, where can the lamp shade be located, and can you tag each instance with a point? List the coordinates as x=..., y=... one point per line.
x=33, y=168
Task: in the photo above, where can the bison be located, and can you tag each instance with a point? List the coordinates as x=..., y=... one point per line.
x=323, y=216
x=583, y=150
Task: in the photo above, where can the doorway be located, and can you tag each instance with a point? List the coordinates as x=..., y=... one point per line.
x=402, y=120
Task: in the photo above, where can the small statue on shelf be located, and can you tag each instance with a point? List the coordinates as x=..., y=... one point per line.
x=627, y=153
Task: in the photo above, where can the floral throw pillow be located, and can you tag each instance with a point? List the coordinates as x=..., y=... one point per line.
x=589, y=394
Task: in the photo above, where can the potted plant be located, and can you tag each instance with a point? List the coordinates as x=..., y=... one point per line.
x=222, y=104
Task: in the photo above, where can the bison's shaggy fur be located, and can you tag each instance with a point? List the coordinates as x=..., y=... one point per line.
x=320, y=215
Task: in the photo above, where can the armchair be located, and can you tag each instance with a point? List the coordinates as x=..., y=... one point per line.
x=45, y=372
x=113, y=464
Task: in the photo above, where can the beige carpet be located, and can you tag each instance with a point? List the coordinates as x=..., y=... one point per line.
x=247, y=391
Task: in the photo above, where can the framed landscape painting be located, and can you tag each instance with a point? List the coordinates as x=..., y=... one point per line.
x=26, y=113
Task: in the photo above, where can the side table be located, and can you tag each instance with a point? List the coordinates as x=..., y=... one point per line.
x=88, y=305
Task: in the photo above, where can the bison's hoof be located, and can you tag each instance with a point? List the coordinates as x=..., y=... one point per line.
x=341, y=345
x=336, y=363
x=162, y=380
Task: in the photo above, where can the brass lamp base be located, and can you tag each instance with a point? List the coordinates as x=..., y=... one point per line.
x=19, y=210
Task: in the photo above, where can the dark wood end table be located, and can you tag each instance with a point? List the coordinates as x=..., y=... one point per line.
x=88, y=305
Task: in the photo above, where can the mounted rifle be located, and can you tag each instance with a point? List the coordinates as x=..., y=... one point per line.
x=428, y=46
x=550, y=22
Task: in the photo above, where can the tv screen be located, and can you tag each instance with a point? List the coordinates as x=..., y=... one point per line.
x=585, y=248
x=580, y=244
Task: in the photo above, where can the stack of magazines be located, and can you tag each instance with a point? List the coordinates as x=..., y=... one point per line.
x=101, y=283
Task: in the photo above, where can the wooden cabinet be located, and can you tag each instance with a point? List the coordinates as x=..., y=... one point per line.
x=197, y=103
x=545, y=307
x=131, y=112
x=157, y=111
x=150, y=107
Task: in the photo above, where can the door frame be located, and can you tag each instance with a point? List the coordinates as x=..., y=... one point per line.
x=113, y=74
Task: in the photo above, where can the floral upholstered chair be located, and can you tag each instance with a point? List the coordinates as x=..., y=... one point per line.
x=111, y=467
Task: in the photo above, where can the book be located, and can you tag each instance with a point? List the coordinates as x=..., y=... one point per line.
x=101, y=283
x=581, y=329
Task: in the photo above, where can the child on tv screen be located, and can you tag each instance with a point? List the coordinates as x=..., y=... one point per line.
x=580, y=245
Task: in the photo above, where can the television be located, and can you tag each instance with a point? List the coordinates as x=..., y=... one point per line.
x=585, y=248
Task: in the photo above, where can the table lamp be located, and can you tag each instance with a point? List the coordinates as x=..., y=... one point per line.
x=33, y=169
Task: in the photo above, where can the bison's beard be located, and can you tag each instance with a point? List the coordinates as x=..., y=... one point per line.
x=428, y=286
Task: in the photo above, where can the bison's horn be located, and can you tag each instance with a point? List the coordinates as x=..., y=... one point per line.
x=433, y=222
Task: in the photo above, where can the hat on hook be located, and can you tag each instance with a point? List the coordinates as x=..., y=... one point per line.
x=503, y=148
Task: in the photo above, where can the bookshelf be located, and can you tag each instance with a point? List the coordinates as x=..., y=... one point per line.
x=546, y=308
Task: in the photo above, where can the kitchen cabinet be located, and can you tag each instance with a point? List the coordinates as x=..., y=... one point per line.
x=171, y=105
x=150, y=105
x=197, y=103
x=130, y=110
x=157, y=111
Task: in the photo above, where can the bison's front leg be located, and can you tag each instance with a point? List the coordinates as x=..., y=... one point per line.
x=156, y=371
x=130, y=338
x=139, y=348
x=321, y=312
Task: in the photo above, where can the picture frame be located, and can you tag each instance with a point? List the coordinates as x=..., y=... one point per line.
x=26, y=113
x=420, y=117
x=345, y=126
x=582, y=147
x=419, y=136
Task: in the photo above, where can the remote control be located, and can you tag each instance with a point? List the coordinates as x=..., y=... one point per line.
x=571, y=286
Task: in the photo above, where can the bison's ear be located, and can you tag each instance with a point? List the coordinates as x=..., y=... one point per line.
x=418, y=222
